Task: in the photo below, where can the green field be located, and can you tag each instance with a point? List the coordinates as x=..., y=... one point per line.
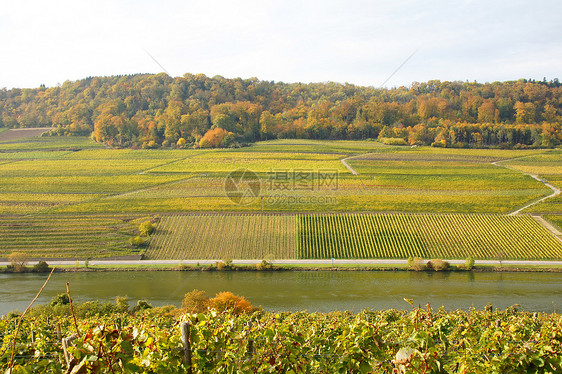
x=352, y=236
x=49, y=179
x=427, y=236
x=67, y=236
x=396, y=179
x=224, y=236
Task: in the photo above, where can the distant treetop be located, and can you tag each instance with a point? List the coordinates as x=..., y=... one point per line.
x=150, y=111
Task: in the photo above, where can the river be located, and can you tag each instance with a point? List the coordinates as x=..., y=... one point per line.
x=321, y=291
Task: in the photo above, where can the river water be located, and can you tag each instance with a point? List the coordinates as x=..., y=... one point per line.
x=321, y=291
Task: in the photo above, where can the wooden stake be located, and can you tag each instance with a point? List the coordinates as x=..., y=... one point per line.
x=250, y=349
x=21, y=320
x=65, y=344
x=72, y=307
x=185, y=334
x=59, y=334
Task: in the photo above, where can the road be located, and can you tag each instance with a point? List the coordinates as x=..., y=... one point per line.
x=284, y=262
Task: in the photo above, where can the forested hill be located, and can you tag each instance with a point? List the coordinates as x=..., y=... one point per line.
x=148, y=110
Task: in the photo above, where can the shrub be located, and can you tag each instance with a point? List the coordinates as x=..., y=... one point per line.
x=469, y=262
x=122, y=303
x=41, y=267
x=13, y=314
x=146, y=228
x=225, y=265
x=60, y=299
x=195, y=301
x=138, y=241
x=263, y=265
x=418, y=264
x=393, y=141
x=18, y=261
x=141, y=305
x=227, y=301
x=410, y=261
x=437, y=265
x=94, y=308
x=165, y=310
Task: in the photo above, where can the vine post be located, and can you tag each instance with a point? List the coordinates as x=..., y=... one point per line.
x=185, y=335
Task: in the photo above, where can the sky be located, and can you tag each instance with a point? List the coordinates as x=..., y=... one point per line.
x=355, y=41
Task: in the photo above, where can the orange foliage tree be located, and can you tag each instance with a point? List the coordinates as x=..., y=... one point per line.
x=215, y=138
x=197, y=302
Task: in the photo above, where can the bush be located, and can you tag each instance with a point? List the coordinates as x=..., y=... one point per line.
x=195, y=302
x=13, y=314
x=18, y=261
x=393, y=141
x=410, y=261
x=41, y=267
x=225, y=265
x=94, y=308
x=60, y=299
x=122, y=303
x=437, y=265
x=146, y=228
x=141, y=305
x=263, y=265
x=469, y=262
x=227, y=301
x=138, y=241
x=418, y=264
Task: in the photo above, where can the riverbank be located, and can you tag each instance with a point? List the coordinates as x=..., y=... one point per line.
x=287, y=265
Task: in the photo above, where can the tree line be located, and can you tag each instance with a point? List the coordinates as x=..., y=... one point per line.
x=156, y=110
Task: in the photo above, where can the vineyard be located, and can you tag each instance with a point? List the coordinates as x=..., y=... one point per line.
x=419, y=341
x=224, y=236
x=427, y=236
x=76, y=176
x=349, y=236
x=66, y=236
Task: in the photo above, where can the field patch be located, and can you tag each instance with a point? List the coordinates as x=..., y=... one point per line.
x=67, y=236
x=259, y=162
x=352, y=236
x=50, y=143
x=212, y=236
x=454, y=236
x=15, y=134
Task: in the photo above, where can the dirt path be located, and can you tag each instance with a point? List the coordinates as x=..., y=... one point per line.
x=555, y=190
x=344, y=162
x=549, y=226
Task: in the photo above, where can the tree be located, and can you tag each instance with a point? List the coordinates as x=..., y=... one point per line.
x=146, y=228
x=227, y=301
x=216, y=138
x=195, y=301
x=525, y=112
x=18, y=261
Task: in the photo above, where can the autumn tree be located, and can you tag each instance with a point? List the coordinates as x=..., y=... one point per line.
x=216, y=137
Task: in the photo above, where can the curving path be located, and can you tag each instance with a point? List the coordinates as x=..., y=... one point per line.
x=555, y=190
x=344, y=162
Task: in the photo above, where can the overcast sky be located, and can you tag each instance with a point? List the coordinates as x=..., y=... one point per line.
x=361, y=42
